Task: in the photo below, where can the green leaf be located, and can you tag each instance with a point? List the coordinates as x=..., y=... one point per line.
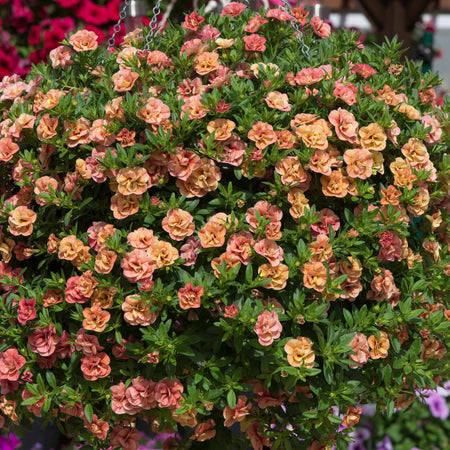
x=88, y=412
x=231, y=398
x=51, y=380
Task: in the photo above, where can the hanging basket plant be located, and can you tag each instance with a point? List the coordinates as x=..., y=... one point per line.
x=233, y=226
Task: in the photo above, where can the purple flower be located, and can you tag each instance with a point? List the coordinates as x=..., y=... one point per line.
x=385, y=444
x=369, y=409
x=357, y=445
x=9, y=444
x=438, y=406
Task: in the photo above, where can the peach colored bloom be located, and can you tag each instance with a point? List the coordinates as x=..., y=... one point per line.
x=391, y=246
x=168, y=393
x=46, y=101
x=141, y=239
x=229, y=259
x=308, y=76
x=373, y=137
x=365, y=70
x=204, y=431
x=278, y=100
x=42, y=186
x=359, y=163
x=415, y=152
x=103, y=297
x=178, y=223
x=206, y=62
x=277, y=275
x=132, y=180
x=78, y=132
x=345, y=125
x=7, y=149
x=238, y=413
x=351, y=417
x=379, y=345
x=346, y=92
x=221, y=128
x=270, y=250
x=114, y=110
x=262, y=134
x=123, y=206
x=299, y=202
x=182, y=163
x=70, y=247
x=410, y=112
x=194, y=107
x=300, y=353
x=162, y=253
x=435, y=134
x=432, y=247
x=124, y=80
x=98, y=233
x=21, y=221
x=190, y=88
x=126, y=438
x=203, y=179
x=268, y=327
x=43, y=340
x=60, y=57
x=390, y=196
x=255, y=23
x=292, y=172
x=360, y=350
x=192, y=21
x=233, y=9
x=137, y=311
x=98, y=428
x=10, y=364
x=26, y=310
x=158, y=60
x=154, y=112
x=314, y=275
x=95, y=366
x=100, y=134
x=95, y=319
x=239, y=245
x=315, y=134
x=321, y=248
x=126, y=137
x=52, y=297
x=255, y=43
x=432, y=348
x=336, y=185
x=327, y=218
x=47, y=127
x=83, y=40
x=403, y=175
x=383, y=288
x=187, y=419
x=137, y=265
x=190, y=296
x=285, y=139
x=88, y=344
x=321, y=28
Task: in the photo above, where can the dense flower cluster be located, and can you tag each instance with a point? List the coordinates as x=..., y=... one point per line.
x=222, y=229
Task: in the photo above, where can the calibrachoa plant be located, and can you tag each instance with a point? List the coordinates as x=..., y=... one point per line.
x=220, y=230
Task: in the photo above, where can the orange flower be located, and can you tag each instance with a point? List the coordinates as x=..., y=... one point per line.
x=103, y=297
x=52, y=297
x=203, y=179
x=352, y=416
x=336, y=185
x=240, y=244
x=7, y=149
x=262, y=134
x=221, y=128
x=178, y=223
x=124, y=205
x=95, y=366
x=132, y=180
x=21, y=221
x=137, y=311
x=162, y=253
x=105, y=259
x=230, y=260
x=140, y=239
x=315, y=135
x=270, y=250
x=124, y=80
x=359, y=163
x=321, y=248
x=299, y=202
x=190, y=296
x=278, y=275
x=255, y=43
x=154, y=112
x=137, y=265
x=78, y=132
x=206, y=62
x=403, y=175
x=95, y=319
x=83, y=40
x=42, y=186
x=379, y=345
x=204, y=431
x=299, y=352
x=292, y=172
x=47, y=127
x=238, y=413
x=390, y=195
x=314, y=275
x=345, y=125
x=278, y=100
x=415, y=152
x=360, y=348
x=268, y=327
x=411, y=112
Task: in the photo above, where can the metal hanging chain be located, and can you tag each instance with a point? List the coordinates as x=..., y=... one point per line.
x=153, y=25
x=299, y=33
x=116, y=29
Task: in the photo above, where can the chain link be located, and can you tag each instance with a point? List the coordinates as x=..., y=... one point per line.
x=153, y=25
x=299, y=33
x=116, y=29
